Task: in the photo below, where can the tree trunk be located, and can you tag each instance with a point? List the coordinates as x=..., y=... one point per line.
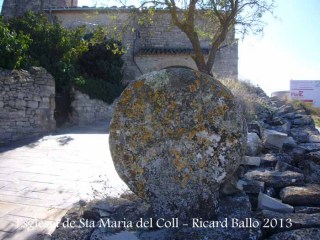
x=198, y=55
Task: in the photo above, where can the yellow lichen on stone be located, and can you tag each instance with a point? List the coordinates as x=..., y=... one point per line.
x=192, y=133
x=202, y=164
x=126, y=96
x=137, y=108
x=178, y=160
x=136, y=169
x=180, y=132
x=213, y=87
x=192, y=87
x=141, y=188
x=147, y=136
x=138, y=84
x=222, y=109
x=185, y=179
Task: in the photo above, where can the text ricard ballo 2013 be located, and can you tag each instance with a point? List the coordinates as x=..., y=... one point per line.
x=175, y=223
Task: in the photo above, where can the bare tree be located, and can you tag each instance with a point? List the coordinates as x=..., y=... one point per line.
x=223, y=16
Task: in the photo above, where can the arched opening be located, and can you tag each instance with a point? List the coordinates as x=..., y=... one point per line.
x=177, y=66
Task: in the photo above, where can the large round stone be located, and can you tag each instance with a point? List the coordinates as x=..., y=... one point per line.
x=175, y=137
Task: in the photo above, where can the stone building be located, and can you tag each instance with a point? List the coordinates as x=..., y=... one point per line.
x=150, y=46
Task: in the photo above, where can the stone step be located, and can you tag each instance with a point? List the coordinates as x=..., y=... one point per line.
x=308, y=195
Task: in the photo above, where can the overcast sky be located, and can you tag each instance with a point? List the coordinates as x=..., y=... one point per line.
x=289, y=49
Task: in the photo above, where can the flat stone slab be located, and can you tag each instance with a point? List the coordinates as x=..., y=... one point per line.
x=308, y=195
x=276, y=179
x=268, y=203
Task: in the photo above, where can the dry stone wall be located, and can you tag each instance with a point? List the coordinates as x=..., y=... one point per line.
x=27, y=103
x=86, y=110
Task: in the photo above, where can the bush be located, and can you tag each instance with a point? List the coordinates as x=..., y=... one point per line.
x=250, y=98
x=101, y=68
x=53, y=47
x=13, y=48
x=99, y=89
x=102, y=61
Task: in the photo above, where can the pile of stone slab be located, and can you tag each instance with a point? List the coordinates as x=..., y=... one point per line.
x=281, y=173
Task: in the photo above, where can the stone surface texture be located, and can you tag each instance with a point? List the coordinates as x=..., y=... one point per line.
x=27, y=104
x=86, y=110
x=254, y=144
x=308, y=195
x=273, y=139
x=276, y=179
x=175, y=137
x=299, y=234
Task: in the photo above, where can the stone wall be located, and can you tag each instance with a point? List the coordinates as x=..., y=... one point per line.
x=26, y=104
x=18, y=7
x=161, y=35
x=86, y=110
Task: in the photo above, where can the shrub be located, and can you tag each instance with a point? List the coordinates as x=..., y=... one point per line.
x=13, y=48
x=101, y=69
x=101, y=62
x=250, y=98
x=53, y=47
x=99, y=89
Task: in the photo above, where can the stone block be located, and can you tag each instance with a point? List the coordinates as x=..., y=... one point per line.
x=32, y=104
x=276, y=179
x=254, y=144
x=308, y=195
x=274, y=139
x=251, y=161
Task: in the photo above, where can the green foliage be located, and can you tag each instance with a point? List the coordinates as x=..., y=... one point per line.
x=101, y=69
x=99, y=89
x=13, y=47
x=53, y=47
x=89, y=62
x=102, y=61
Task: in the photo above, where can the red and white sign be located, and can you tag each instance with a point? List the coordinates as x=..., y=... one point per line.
x=306, y=91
